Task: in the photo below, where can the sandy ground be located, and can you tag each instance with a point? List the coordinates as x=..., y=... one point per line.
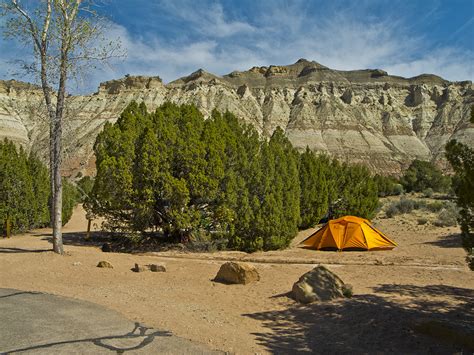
x=424, y=278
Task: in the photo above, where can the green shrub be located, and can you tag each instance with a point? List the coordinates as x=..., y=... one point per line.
x=84, y=187
x=330, y=187
x=405, y=205
x=428, y=193
x=179, y=175
x=387, y=186
x=347, y=291
x=419, y=204
x=422, y=221
x=422, y=175
x=448, y=216
x=71, y=197
x=435, y=206
x=25, y=191
x=397, y=189
x=461, y=158
x=392, y=210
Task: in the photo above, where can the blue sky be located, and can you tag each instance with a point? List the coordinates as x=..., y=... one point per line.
x=174, y=38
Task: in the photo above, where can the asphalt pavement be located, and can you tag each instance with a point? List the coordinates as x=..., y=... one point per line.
x=40, y=323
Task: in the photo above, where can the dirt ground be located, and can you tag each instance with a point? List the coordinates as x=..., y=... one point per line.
x=425, y=278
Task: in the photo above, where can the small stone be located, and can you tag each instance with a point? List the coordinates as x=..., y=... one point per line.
x=157, y=268
x=105, y=264
x=106, y=248
x=139, y=268
x=76, y=263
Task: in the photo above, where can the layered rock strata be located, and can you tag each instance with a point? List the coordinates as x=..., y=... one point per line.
x=361, y=116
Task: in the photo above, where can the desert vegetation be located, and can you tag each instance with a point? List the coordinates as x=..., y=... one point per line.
x=461, y=158
x=25, y=196
x=173, y=174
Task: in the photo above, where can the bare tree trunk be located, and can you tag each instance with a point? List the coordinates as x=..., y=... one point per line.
x=51, y=171
x=58, y=193
x=57, y=150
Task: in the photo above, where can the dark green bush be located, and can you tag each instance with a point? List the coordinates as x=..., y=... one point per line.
x=428, y=193
x=176, y=175
x=84, y=187
x=25, y=191
x=422, y=175
x=328, y=185
x=180, y=176
x=419, y=204
x=388, y=186
x=422, y=221
x=435, y=206
x=461, y=158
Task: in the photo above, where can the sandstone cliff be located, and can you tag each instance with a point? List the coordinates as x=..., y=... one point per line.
x=363, y=116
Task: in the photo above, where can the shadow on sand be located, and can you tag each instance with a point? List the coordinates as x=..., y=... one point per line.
x=381, y=323
x=449, y=241
x=139, y=332
x=4, y=250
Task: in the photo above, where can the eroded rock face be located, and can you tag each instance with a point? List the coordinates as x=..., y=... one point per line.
x=363, y=116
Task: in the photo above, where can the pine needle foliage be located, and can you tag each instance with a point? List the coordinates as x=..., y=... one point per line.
x=461, y=158
x=24, y=191
x=173, y=174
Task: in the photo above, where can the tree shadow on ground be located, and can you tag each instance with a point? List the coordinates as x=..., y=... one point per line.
x=449, y=241
x=117, y=242
x=369, y=323
x=4, y=250
x=139, y=332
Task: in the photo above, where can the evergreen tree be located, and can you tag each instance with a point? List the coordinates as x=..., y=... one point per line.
x=41, y=191
x=16, y=189
x=171, y=173
x=25, y=192
x=422, y=175
x=314, y=199
x=461, y=158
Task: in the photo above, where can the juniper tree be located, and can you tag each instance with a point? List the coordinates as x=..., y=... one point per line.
x=461, y=158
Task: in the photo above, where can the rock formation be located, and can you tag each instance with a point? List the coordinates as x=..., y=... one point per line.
x=361, y=116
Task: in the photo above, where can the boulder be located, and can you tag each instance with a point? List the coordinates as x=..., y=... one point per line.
x=157, y=267
x=106, y=248
x=105, y=264
x=319, y=284
x=237, y=273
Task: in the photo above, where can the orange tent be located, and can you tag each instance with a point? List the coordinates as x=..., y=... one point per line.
x=348, y=233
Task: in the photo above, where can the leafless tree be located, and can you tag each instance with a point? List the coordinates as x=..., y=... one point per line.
x=66, y=36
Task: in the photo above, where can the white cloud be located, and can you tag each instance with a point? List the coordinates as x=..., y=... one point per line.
x=208, y=20
x=280, y=35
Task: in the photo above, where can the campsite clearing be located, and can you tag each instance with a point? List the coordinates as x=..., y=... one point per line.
x=424, y=278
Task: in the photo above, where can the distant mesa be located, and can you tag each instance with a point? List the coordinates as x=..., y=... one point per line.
x=130, y=83
x=360, y=116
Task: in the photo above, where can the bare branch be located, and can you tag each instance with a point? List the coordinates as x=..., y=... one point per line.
x=33, y=29
x=47, y=21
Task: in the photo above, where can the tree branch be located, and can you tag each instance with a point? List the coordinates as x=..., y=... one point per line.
x=33, y=29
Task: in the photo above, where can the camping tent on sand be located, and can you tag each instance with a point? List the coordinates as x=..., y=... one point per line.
x=348, y=233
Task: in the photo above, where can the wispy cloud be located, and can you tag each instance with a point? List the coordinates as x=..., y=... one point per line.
x=220, y=40
x=209, y=19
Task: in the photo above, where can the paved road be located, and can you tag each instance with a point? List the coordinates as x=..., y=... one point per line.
x=41, y=323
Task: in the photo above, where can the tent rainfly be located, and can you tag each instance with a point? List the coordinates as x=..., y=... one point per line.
x=348, y=233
